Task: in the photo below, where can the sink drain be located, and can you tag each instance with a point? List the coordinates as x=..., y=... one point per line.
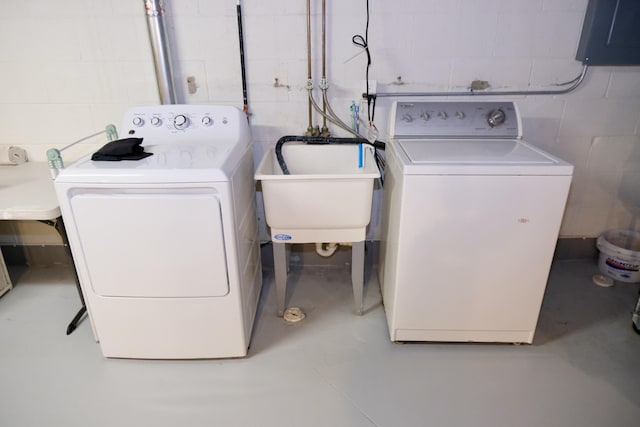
x=293, y=315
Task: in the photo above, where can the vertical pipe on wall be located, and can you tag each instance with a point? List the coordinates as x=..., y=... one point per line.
x=245, y=99
x=160, y=47
x=309, y=76
x=323, y=81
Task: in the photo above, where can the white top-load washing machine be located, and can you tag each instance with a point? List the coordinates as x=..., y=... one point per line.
x=167, y=247
x=471, y=216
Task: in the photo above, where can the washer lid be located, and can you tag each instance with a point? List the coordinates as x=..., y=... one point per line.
x=478, y=156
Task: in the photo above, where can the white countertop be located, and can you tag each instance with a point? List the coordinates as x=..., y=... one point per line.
x=27, y=192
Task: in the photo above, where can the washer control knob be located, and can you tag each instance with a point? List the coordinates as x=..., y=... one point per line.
x=407, y=118
x=425, y=116
x=442, y=115
x=138, y=121
x=460, y=115
x=207, y=121
x=155, y=121
x=181, y=121
x=496, y=118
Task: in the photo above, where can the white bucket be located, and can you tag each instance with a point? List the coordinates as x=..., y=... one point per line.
x=620, y=255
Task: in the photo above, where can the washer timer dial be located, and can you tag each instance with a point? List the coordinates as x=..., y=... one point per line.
x=496, y=118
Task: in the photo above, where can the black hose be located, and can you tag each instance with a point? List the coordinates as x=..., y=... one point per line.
x=245, y=100
x=320, y=141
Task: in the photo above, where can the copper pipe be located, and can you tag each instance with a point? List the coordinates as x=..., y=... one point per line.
x=323, y=81
x=309, y=77
x=309, y=39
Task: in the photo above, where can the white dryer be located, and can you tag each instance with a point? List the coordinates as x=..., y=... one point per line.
x=167, y=247
x=471, y=215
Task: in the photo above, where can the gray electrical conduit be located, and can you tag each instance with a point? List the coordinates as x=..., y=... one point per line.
x=333, y=118
x=574, y=84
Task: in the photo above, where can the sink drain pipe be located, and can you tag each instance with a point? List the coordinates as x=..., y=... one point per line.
x=160, y=49
x=329, y=249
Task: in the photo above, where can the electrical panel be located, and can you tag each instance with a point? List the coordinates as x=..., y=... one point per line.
x=611, y=33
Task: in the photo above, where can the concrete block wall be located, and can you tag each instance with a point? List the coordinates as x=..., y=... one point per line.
x=69, y=67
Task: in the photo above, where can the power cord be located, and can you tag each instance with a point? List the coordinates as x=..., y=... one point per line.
x=363, y=42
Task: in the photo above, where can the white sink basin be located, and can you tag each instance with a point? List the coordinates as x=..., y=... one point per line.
x=326, y=197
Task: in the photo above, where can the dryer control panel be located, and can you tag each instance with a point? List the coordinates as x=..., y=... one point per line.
x=180, y=122
x=446, y=119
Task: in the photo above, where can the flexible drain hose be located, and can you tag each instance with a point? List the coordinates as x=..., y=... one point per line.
x=318, y=140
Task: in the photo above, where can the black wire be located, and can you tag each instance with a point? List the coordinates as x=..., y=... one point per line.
x=363, y=42
x=242, y=64
x=373, y=108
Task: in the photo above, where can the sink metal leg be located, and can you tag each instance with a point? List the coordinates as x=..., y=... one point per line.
x=357, y=275
x=280, y=265
x=5, y=280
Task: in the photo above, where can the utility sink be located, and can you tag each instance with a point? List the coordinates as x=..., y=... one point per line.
x=325, y=198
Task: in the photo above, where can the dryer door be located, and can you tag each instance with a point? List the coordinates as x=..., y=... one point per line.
x=146, y=242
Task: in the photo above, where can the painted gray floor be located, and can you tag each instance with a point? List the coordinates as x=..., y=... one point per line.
x=332, y=369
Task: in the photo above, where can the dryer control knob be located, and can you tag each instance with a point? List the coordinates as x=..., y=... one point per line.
x=181, y=121
x=496, y=118
x=407, y=118
x=138, y=121
x=443, y=115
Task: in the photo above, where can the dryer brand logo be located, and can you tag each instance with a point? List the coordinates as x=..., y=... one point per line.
x=283, y=237
x=621, y=265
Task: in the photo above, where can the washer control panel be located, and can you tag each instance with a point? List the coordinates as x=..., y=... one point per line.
x=445, y=119
x=167, y=123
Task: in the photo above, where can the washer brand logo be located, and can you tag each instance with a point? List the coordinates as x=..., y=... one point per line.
x=621, y=265
x=282, y=237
